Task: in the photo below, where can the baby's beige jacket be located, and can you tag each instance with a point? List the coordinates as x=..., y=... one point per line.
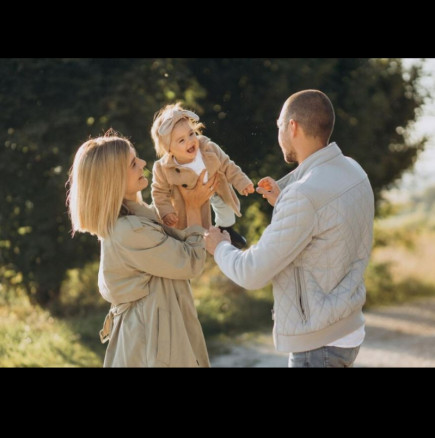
x=167, y=175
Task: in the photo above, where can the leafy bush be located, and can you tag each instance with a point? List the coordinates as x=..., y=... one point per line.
x=50, y=106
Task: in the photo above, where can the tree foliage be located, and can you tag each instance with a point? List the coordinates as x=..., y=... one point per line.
x=374, y=105
x=48, y=107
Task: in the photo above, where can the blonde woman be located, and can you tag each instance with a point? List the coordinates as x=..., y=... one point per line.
x=145, y=266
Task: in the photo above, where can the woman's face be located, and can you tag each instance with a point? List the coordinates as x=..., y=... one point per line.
x=135, y=178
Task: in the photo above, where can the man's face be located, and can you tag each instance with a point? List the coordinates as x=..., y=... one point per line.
x=284, y=139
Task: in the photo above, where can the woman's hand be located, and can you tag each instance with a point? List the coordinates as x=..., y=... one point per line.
x=201, y=193
x=197, y=196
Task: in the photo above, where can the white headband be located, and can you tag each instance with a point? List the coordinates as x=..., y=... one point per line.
x=173, y=117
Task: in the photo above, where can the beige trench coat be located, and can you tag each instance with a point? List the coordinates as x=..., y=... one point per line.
x=144, y=272
x=167, y=175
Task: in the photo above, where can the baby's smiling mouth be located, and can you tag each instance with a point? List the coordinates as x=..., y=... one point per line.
x=191, y=150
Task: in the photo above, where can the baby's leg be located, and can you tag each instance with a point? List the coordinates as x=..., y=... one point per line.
x=225, y=219
x=223, y=214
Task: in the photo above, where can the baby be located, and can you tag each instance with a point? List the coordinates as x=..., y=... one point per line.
x=185, y=153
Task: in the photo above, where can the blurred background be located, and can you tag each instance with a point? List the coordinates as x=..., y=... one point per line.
x=50, y=307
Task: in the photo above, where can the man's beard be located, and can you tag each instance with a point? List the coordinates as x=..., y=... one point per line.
x=290, y=157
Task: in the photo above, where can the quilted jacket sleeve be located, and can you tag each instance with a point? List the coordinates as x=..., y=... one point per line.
x=282, y=241
x=282, y=183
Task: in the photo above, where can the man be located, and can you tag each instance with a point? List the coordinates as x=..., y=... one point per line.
x=318, y=244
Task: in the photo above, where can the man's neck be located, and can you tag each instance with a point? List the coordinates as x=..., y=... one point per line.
x=308, y=149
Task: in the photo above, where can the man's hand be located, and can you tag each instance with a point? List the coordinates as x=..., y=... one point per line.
x=269, y=189
x=170, y=219
x=213, y=237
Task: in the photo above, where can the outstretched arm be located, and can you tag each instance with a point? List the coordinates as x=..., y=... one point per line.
x=151, y=250
x=269, y=188
x=232, y=171
x=282, y=241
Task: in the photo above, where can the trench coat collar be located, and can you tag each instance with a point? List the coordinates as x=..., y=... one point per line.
x=143, y=210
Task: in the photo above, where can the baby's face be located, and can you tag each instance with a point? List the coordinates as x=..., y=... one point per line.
x=184, y=143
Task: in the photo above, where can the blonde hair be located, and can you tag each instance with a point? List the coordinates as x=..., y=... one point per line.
x=97, y=183
x=160, y=143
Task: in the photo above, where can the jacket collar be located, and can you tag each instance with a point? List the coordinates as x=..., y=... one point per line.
x=321, y=156
x=168, y=159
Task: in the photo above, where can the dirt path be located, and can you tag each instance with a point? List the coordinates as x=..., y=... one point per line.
x=396, y=336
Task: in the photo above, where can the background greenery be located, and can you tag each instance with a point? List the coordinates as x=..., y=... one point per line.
x=48, y=107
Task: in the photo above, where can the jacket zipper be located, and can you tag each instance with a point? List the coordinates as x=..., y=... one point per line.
x=299, y=295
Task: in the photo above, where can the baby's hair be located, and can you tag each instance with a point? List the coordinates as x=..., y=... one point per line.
x=160, y=143
x=113, y=133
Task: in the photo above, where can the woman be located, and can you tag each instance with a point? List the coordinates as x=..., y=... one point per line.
x=145, y=266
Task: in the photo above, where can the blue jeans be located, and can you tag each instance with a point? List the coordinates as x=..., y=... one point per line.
x=324, y=357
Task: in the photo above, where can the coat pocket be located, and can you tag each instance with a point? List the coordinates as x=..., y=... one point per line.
x=163, y=337
x=301, y=302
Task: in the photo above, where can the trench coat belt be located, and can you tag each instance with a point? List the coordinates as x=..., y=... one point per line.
x=108, y=321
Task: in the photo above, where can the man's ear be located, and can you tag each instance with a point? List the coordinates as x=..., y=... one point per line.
x=293, y=126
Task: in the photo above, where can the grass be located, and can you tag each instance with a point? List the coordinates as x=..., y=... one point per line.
x=224, y=307
x=66, y=335
x=402, y=263
x=32, y=337
x=415, y=262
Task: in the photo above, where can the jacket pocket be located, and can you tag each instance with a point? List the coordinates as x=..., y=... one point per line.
x=301, y=301
x=163, y=337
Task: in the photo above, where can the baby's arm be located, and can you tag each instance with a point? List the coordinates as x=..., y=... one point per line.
x=233, y=173
x=170, y=219
x=249, y=189
x=161, y=194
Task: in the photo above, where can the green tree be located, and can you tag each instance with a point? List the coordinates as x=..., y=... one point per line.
x=375, y=101
x=48, y=107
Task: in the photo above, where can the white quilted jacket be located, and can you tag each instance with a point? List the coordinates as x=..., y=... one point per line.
x=315, y=252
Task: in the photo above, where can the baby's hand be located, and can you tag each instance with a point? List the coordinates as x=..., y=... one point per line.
x=247, y=190
x=170, y=219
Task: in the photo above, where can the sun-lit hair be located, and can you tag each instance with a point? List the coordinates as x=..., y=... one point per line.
x=97, y=183
x=161, y=144
x=313, y=110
